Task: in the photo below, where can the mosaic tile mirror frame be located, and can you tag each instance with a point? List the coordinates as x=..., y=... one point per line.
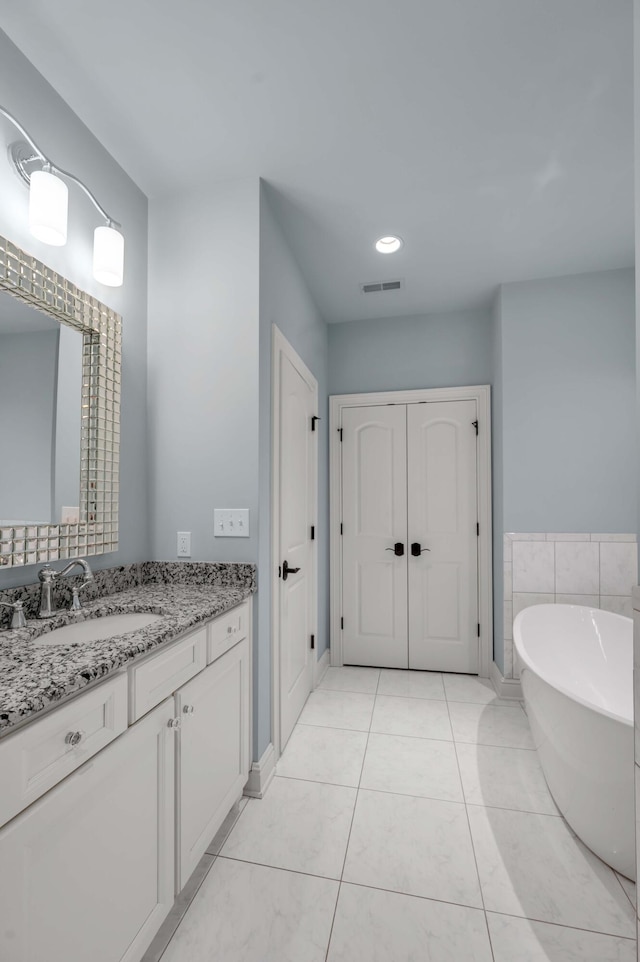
x=29, y=279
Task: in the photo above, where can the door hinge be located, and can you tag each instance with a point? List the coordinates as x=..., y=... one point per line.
x=313, y=532
x=342, y=624
x=478, y=528
x=340, y=433
x=341, y=528
x=475, y=424
x=478, y=629
x=313, y=421
x=313, y=641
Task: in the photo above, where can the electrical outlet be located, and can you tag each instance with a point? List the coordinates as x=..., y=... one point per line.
x=231, y=522
x=184, y=544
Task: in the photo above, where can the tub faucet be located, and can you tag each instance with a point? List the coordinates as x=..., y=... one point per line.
x=48, y=575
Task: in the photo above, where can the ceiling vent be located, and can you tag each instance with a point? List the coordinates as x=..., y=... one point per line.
x=379, y=286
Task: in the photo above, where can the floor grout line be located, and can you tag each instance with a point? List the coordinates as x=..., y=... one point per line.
x=429, y=898
x=429, y=798
x=561, y=925
x=633, y=905
x=448, y=741
x=353, y=815
x=279, y=868
x=473, y=848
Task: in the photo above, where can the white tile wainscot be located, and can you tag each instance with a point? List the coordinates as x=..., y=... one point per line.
x=598, y=570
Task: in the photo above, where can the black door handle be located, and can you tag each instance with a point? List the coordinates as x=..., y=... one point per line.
x=286, y=570
x=398, y=549
x=416, y=550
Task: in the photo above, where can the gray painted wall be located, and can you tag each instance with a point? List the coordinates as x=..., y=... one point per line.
x=568, y=349
x=285, y=301
x=497, y=467
x=564, y=416
x=403, y=353
x=60, y=133
x=203, y=367
x=203, y=382
x=27, y=386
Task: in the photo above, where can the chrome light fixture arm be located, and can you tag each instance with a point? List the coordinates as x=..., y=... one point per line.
x=21, y=159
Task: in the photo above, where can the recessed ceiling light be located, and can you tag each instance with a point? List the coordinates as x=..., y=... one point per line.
x=388, y=245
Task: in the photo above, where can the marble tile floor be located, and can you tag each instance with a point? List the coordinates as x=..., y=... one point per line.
x=408, y=820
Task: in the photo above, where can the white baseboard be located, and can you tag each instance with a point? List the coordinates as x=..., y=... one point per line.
x=261, y=774
x=505, y=687
x=320, y=667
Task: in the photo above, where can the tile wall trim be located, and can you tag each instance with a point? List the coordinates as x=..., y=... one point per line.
x=597, y=570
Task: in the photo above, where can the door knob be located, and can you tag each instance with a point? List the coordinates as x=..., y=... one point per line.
x=398, y=549
x=286, y=570
x=416, y=550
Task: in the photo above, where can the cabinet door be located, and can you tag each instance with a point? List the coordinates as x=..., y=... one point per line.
x=87, y=871
x=213, y=752
x=374, y=506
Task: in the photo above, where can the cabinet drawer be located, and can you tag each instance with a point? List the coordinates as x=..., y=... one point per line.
x=159, y=676
x=35, y=759
x=227, y=630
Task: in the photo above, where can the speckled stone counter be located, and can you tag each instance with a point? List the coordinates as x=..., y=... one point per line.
x=33, y=678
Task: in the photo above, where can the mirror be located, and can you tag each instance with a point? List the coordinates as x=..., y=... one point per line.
x=40, y=415
x=60, y=371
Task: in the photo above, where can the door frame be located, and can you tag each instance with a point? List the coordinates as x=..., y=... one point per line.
x=482, y=395
x=280, y=346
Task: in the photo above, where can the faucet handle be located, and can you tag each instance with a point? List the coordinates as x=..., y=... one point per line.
x=75, y=591
x=18, y=619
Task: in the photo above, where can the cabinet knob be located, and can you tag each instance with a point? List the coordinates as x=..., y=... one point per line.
x=173, y=723
x=230, y=630
x=73, y=738
x=188, y=709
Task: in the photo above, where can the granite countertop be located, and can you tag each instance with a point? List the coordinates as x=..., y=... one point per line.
x=33, y=678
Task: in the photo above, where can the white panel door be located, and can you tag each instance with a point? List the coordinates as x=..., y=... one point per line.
x=374, y=504
x=443, y=514
x=88, y=870
x=297, y=404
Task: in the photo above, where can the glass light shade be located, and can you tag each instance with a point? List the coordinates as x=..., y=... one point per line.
x=48, y=207
x=388, y=245
x=108, y=256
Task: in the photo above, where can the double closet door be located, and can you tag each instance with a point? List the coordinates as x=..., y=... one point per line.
x=410, y=536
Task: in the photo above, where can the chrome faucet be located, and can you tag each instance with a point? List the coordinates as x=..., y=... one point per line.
x=48, y=575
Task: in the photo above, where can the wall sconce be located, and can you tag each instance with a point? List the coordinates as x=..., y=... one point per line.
x=48, y=207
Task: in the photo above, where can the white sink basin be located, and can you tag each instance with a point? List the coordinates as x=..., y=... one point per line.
x=95, y=629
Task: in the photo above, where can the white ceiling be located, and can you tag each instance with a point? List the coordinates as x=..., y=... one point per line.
x=495, y=136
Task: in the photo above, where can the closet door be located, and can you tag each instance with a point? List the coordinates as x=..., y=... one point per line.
x=443, y=514
x=374, y=513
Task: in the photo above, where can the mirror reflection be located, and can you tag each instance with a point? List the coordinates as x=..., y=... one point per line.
x=40, y=416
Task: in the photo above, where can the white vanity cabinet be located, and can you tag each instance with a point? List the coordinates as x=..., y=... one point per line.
x=90, y=870
x=87, y=872
x=212, y=758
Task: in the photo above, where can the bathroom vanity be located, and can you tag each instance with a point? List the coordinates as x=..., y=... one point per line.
x=109, y=799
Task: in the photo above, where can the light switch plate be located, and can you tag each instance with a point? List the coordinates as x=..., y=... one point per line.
x=231, y=522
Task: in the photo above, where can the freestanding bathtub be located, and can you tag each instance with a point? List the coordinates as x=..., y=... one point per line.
x=576, y=669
